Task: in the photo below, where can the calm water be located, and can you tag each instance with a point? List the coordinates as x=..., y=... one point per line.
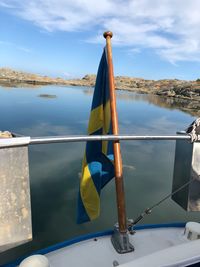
x=55, y=168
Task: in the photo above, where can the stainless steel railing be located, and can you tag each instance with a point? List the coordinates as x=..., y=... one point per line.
x=19, y=141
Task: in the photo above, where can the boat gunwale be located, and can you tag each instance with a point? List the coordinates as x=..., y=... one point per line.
x=85, y=237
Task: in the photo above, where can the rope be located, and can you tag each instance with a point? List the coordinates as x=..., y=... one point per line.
x=194, y=130
x=149, y=210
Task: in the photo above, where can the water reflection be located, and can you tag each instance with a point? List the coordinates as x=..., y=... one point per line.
x=55, y=168
x=47, y=96
x=186, y=105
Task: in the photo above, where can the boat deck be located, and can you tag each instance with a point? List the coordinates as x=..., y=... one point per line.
x=100, y=252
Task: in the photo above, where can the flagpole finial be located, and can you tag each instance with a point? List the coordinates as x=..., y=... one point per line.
x=108, y=33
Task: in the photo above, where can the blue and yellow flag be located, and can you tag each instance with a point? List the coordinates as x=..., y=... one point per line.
x=97, y=166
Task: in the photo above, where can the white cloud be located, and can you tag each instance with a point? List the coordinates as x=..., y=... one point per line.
x=169, y=27
x=5, y=4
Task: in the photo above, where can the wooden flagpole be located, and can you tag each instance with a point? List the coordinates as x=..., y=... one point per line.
x=117, y=154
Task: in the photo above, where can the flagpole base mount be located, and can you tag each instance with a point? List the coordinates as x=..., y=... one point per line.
x=121, y=242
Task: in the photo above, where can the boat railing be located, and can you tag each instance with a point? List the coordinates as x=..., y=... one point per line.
x=18, y=141
x=15, y=167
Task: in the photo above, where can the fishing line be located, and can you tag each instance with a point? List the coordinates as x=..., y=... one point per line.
x=149, y=210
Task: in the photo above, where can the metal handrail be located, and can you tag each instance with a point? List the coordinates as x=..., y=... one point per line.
x=11, y=142
x=84, y=138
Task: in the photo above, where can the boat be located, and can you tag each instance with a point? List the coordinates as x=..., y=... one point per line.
x=173, y=244
x=129, y=244
x=155, y=245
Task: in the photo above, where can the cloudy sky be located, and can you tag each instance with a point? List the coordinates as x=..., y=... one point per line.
x=153, y=39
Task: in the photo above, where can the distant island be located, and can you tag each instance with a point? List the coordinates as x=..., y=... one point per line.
x=172, y=88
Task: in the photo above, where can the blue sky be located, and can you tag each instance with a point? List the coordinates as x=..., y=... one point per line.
x=152, y=39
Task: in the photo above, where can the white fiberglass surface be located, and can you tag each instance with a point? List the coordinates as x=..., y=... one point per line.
x=100, y=252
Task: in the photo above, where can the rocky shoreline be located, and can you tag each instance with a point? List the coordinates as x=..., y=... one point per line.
x=170, y=88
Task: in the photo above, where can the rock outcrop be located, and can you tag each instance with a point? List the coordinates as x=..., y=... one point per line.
x=169, y=88
x=5, y=134
x=12, y=77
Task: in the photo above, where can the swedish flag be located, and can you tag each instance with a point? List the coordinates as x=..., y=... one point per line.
x=97, y=166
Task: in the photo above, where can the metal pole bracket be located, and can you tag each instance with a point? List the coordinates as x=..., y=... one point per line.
x=120, y=241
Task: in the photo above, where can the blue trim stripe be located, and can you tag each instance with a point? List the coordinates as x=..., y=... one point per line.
x=90, y=236
x=162, y=225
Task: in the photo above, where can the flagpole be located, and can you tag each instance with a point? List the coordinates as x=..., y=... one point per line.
x=116, y=144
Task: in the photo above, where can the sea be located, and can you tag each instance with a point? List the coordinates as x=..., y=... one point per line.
x=55, y=168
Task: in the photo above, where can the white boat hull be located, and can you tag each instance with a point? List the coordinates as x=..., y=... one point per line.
x=155, y=246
